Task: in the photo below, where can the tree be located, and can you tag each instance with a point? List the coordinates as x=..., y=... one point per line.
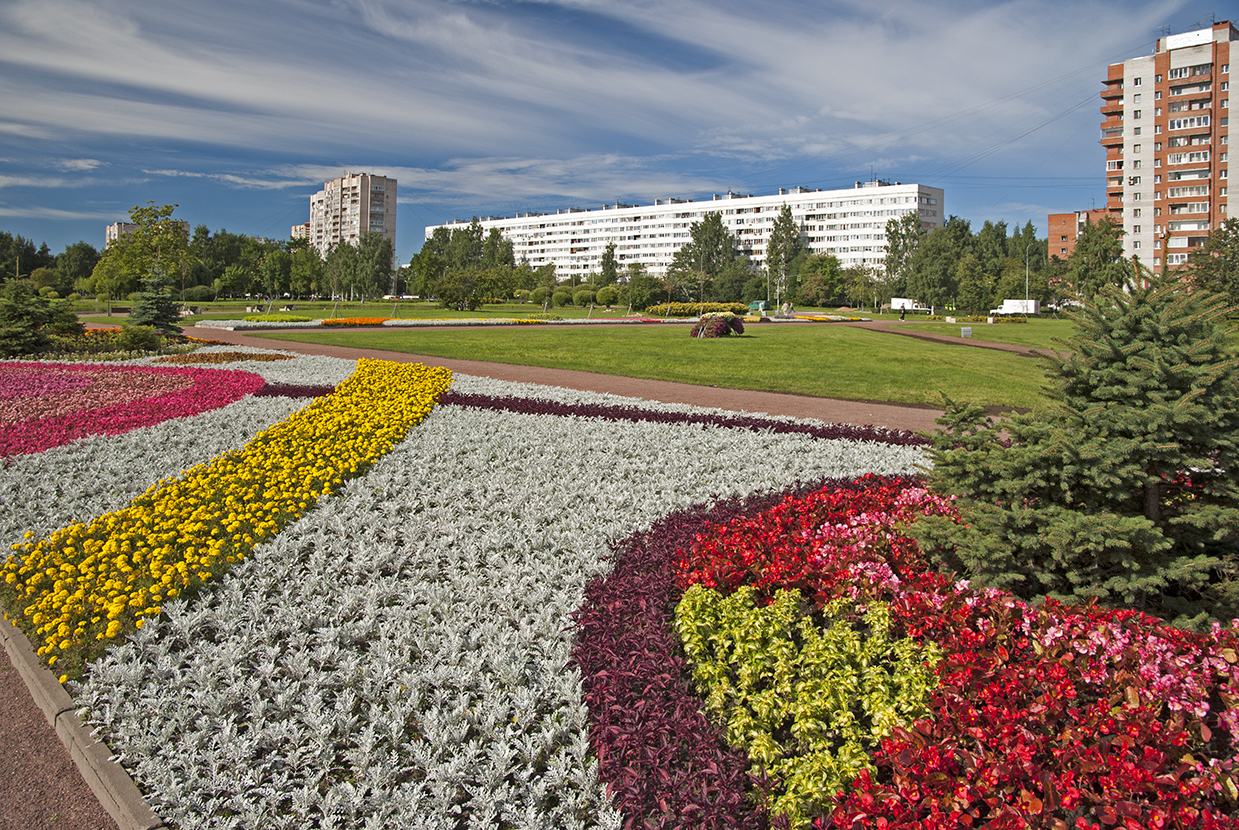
x=610, y=272
x=1097, y=260
x=340, y=269
x=973, y=292
x=641, y=290
x=711, y=249
x=783, y=247
x=864, y=284
x=903, y=236
x=931, y=272
x=1122, y=488
x=27, y=320
x=305, y=271
x=497, y=251
x=1214, y=266
x=158, y=241
x=154, y=305
x=465, y=248
x=76, y=263
x=820, y=281
x=276, y=271
x=375, y=264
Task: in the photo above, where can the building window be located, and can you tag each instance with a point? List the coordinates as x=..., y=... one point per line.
x=1157, y=96
x=1135, y=114
x=1136, y=164
x=1136, y=149
x=1135, y=82
x=1135, y=229
x=1135, y=243
x=1136, y=213
x=1157, y=79
x=1136, y=130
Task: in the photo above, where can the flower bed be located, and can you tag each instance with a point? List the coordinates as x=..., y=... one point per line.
x=45, y=404
x=90, y=583
x=397, y=655
x=197, y=358
x=1039, y=716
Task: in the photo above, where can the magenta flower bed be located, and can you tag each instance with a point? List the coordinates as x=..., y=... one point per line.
x=45, y=405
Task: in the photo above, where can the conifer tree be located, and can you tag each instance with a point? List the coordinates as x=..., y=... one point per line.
x=1123, y=487
x=154, y=305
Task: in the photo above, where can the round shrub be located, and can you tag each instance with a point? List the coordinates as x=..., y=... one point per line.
x=521, y=295
x=537, y=296
x=561, y=298
x=607, y=296
x=583, y=297
x=198, y=294
x=720, y=324
x=139, y=339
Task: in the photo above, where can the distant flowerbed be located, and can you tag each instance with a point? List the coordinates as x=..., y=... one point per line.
x=220, y=357
x=47, y=404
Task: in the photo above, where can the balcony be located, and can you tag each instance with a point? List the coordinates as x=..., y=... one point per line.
x=1112, y=135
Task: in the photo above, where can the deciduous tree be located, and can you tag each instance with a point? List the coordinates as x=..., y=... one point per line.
x=1214, y=267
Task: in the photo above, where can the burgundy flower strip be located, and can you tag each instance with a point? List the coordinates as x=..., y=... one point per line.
x=534, y=406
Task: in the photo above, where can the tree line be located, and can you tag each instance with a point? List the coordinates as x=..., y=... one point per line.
x=202, y=266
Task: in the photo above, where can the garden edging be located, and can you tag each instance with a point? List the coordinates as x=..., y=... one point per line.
x=106, y=778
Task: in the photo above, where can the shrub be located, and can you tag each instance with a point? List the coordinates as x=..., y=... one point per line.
x=718, y=325
x=537, y=296
x=583, y=297
x=694, y=309
x=277, y=318
x=154, y=305
x=198, y=294
x=608, y=295
x=138, y=339
x=561, y=298
x=521, y=295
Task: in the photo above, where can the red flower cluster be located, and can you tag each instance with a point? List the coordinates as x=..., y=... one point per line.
x=1052, y=716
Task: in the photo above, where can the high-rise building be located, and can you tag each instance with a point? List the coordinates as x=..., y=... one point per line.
x=1166, y=133
x=851, y=224
x=301, y=231
x=349, y=206
x=1064, y=229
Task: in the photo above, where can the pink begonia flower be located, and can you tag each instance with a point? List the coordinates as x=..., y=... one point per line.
x=45, y=405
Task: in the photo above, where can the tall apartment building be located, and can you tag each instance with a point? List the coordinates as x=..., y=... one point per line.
x=850, y=223
x=1064, y=229
x=1166, y=133
x=349, y=206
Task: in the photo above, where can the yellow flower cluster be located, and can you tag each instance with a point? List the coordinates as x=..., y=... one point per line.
x=88, y=583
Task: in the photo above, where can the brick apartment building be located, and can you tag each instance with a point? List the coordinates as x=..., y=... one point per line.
x=1166, y=133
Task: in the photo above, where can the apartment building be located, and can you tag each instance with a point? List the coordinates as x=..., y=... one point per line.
x=352, y=205
x=1166, y=131
x=849, y=223
x=1064, y=229
x=301, y=231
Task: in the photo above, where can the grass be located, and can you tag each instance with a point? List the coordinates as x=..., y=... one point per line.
x=821, y=360
x=1037, y=332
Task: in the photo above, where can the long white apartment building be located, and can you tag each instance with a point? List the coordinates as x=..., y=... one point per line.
x=849, y=223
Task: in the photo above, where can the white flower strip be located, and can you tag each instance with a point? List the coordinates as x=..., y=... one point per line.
x=45, y=491
x=398, y=657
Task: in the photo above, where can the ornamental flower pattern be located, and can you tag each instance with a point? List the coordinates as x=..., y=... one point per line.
x=44, y=405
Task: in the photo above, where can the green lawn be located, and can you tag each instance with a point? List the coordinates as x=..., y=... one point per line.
x=1037, y=333
x=824, y=360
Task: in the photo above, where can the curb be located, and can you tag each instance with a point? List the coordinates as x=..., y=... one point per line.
x=105, y=777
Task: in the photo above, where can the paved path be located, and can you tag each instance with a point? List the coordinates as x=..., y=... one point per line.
x=39, y=785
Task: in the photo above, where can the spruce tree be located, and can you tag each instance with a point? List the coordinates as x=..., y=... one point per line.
x=1123, y=487
x=154, y=305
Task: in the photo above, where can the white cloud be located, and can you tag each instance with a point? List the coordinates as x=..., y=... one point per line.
x=32, y=212
x=79, y=165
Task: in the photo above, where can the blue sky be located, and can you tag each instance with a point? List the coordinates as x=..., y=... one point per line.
x=238, y=111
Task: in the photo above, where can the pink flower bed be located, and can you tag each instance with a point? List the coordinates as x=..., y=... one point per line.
x=45, y=405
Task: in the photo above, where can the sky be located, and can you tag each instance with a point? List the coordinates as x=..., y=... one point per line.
x=238, y=111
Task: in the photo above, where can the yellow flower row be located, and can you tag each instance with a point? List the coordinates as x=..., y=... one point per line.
x=88, y=583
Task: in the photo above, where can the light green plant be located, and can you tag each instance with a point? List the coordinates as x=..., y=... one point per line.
x=808, y=702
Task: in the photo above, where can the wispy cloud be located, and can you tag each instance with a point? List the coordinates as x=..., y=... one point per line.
x=79, y=165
